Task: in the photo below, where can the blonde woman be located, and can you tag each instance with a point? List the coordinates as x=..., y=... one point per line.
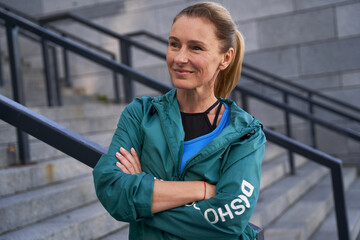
x=186, y=165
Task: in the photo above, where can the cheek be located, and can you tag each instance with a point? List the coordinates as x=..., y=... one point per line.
x=169, y=58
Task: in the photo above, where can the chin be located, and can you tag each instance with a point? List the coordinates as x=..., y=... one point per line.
x=183, y=85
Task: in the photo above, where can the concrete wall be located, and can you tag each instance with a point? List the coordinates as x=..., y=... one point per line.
x=314, y=43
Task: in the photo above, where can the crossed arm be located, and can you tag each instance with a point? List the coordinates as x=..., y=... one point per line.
x=166, y=194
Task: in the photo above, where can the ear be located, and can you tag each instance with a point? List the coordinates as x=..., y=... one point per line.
x=226, y=59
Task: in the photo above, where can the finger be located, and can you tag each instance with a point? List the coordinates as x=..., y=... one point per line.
x=122, y=167
x=126, y=163
x=136, y=157
x=134, y=162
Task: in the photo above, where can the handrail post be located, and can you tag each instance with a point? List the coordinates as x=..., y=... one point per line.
x=312, y=125
x=47, y=72
x=56, y=77
x=244, y=102
x=116, y=84
x=66, y=68
x=12, y=33
x=339, y=202
x=66, y=65
x=1, y=71
x=258, y=230
x=125, y=54
x=288, y=133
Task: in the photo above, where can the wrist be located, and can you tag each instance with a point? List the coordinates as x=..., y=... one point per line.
x=204, y=191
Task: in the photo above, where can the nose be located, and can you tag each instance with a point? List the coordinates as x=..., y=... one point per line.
x=181, y=56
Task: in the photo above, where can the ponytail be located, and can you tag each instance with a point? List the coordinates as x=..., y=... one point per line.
x=229, y=77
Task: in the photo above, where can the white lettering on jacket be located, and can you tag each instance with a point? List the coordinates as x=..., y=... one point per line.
x=214, y=213
x=237, y=206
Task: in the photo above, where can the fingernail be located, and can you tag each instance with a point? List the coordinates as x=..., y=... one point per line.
x=118, y=154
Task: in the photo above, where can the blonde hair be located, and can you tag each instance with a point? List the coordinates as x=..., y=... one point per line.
x=228, y=36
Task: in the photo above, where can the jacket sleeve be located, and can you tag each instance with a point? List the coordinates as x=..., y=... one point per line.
x=126, y=197
x=226, y=215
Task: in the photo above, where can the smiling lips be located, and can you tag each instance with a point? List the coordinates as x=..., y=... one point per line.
x=182, y=72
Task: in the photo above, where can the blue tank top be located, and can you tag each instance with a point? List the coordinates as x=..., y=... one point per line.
x=193, y=146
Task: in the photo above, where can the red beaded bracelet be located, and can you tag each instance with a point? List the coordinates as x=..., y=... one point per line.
x=205, y=190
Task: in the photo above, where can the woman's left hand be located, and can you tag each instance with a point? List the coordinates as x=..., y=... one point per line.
x=128, y=162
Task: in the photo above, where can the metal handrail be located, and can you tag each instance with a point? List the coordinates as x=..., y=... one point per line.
x=83, y=51
x=125, y=43
x=50, y=132
x=345, y=131
x=106, y=31
x=65, y=57
x=252, y=77
x=288, y=109
x=62, y=32
x=302, y=88
x=88, y=152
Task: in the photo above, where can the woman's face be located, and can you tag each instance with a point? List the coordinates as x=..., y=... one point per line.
x=193, y=56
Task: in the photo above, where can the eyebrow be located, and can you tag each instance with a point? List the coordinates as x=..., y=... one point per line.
x=190, y=41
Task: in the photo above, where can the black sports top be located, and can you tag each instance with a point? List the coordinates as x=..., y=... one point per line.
x=198, y=124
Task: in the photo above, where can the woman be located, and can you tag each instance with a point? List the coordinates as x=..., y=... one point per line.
x=186, y=165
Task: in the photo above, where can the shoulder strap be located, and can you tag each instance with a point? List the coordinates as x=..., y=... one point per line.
x=212, y=106
x=217, y=115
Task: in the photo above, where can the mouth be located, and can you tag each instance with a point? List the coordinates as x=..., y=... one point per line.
x=182, y=72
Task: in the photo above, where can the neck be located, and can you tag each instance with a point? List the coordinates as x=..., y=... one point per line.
x=193, y=101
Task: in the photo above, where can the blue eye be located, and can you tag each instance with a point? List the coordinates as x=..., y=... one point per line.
x=196, y=48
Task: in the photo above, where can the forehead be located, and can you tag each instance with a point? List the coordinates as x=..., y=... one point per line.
x=193, y=28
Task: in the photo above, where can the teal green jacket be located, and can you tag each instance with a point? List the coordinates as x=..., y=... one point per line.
x=231, y=161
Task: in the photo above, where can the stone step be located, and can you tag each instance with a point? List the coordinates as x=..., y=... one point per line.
x=272, y=152
x=328, y=229
x=88, y=222
x=122, y=234
x=306, y=215
x=32, y=206
x=272, y=171
x=77, y=111
x=81, y=126
x=24, y=178
x=277, y=198
x=40, y=151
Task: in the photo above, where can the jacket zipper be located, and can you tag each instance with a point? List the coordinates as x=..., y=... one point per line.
x=167, y=139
